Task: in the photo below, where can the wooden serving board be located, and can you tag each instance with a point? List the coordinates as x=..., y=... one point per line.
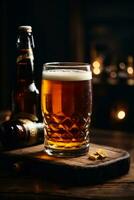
x=79, y=170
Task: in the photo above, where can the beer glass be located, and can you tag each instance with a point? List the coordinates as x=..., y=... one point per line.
x=66, y=102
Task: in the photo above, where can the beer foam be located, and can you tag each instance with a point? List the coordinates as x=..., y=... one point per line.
x=67, y=75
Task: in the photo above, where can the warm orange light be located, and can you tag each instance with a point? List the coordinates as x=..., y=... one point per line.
x=130, y=70
x=96, y=64
x=96, y=67
x=96, y=71
x=121, y=114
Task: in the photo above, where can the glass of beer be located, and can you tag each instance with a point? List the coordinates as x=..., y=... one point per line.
x=66, y=102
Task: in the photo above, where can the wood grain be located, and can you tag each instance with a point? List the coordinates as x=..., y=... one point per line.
x=78, y=170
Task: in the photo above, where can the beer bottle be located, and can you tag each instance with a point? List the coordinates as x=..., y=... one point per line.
x=24, y=128
x=25, y=100
x=20, y=133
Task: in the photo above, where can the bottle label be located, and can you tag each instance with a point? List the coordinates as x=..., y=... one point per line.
x=25, y=54
x=31, y=131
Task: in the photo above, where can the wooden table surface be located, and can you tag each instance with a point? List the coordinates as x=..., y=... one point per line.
x=15, y=185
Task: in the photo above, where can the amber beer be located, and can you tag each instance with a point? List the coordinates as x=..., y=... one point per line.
x=66, y=98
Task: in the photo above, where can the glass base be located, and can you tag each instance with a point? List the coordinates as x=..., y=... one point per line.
x=67, y=153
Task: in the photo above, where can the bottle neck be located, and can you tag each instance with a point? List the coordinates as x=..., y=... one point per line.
x=25, y=40
x=25, y=58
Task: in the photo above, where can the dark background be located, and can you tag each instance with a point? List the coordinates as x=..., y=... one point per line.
x=50, y=23
x=67, y=30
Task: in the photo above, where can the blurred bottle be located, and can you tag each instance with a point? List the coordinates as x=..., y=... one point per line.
x=25, y=101
x=21, y=133
x=112, y=74
x=122, y=73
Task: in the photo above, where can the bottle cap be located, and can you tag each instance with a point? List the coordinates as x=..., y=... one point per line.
x=25, y=28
